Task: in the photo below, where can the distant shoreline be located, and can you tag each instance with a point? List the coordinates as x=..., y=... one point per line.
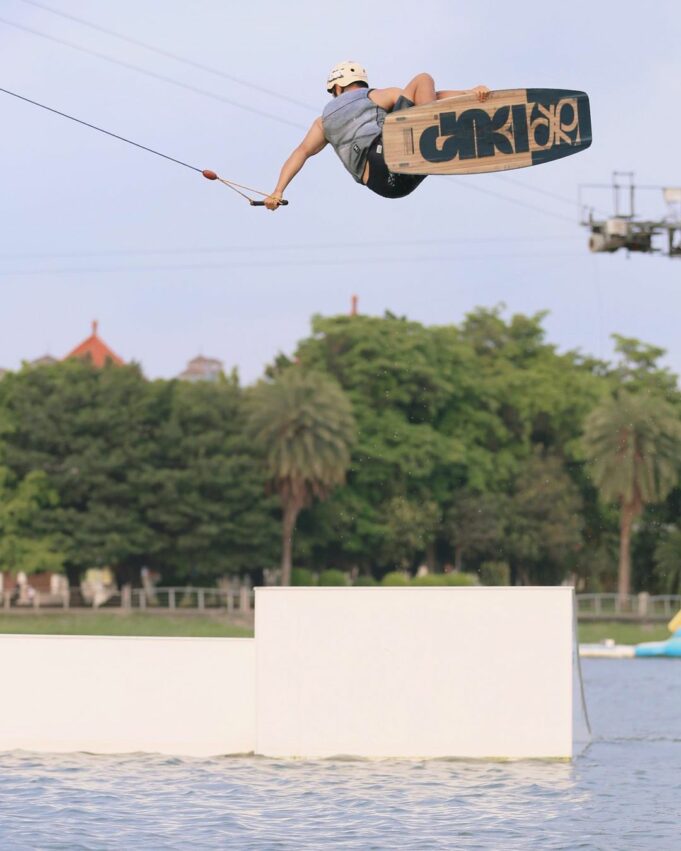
x=218, y=623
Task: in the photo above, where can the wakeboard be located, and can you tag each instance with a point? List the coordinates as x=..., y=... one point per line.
x=513, y=128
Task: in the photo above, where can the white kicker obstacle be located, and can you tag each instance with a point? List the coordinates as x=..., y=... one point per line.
x=365, y=672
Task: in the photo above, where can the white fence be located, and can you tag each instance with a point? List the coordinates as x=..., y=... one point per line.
x=240, y=599
x=628, y=607
x=237, y=599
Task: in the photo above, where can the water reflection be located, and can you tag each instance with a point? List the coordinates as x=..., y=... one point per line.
x=262, y=803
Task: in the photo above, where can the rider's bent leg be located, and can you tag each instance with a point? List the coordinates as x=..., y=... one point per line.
x=420, y=90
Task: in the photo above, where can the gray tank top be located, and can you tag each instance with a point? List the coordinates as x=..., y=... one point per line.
x=351, y=123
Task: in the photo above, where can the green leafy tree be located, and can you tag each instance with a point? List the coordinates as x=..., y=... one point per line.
x=668, y=561
x=495, y=573
x=543, y=522
x=639, y=370
x=88, y=431
x=303, y=424
x=633, y=441
x=146, y=473
x=440, y=410
x=21, y=503
x=410, y=527
x=475, y=524
x=202, y=491
x=400, y=377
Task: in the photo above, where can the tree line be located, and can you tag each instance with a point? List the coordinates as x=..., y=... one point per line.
x=381, y=444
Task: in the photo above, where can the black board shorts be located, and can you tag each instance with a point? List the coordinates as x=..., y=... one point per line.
x=382, y=181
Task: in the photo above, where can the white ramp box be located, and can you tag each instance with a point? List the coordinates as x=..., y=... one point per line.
x=414, y=672
x=183, y=696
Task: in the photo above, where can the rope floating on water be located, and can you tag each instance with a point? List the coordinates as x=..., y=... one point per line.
x=207, y=173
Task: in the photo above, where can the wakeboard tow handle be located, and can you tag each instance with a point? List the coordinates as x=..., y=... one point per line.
x=209, y=174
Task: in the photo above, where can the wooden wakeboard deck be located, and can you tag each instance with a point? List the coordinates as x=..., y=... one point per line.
x=513, y=128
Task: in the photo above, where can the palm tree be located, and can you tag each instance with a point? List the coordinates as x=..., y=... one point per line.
x=303, y=422
x=633, y=443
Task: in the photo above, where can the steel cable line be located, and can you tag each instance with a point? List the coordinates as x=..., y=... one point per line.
x=162, y=77
x=169, y=54
x=207, y=173
x=99, y=129
x=545, y=192
x=259, y=248
x=520, y=203
x=554, y=195
x=347, y=261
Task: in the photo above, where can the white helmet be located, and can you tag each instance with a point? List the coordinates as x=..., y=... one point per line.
x=345, y=73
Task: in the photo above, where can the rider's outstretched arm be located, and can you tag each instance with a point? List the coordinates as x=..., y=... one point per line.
x=312, y=144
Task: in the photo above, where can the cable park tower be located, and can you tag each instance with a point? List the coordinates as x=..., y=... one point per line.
x=624, y=229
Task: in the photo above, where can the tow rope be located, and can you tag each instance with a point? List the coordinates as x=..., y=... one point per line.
x=207, y=173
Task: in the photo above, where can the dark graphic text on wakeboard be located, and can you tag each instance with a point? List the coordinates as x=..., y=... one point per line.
x=540, y=129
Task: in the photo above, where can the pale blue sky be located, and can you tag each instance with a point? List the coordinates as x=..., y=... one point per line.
x=69, y=191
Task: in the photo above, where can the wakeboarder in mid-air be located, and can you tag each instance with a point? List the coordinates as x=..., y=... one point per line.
x=352, y=123
x=391, y=139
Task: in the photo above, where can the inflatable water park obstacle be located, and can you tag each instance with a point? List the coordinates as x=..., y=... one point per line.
x=670, y=648
x=362, y=672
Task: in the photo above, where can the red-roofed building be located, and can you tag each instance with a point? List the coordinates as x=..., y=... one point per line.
x=96, y=350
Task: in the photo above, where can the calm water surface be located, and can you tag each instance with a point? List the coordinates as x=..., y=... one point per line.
x=622, y=792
